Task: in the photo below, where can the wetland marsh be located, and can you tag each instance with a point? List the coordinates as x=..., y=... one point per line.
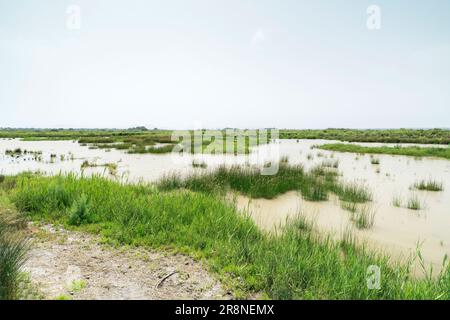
x=389, y=205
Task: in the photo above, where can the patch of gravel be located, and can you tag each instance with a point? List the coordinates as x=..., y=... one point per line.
x=76, y=265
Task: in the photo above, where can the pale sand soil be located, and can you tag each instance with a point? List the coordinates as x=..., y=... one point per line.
x=61, y=259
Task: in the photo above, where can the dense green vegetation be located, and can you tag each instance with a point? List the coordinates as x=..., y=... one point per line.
x=425, y=136
x=138, y=140
x=397, y=150
x=294, y=264
x=314, y=185
x=141, y=140
x=13, y=249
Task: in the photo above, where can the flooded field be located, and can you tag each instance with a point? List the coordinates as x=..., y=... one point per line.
x=397, y=229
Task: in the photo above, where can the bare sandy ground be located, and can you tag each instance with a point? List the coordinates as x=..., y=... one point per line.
x=75, y=265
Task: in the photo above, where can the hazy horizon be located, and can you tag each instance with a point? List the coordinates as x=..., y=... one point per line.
x=216, y=64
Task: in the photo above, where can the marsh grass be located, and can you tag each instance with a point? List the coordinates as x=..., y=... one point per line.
x=79, y=212
x=13, y=249
x=397, y=150
x=397, y=201
x=349, y=206
x=374, y=160
x=364, y=217
x=294, y=264
x=414, y=203
x=112, y=167
x=313, y=185
x=199, y=164
x=353, y=192
x=422, y=136
x=428, y=185
x=152, y=149
x=331, y=163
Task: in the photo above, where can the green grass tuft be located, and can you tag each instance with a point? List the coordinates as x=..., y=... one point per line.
x=414, y=203
x=428, y=185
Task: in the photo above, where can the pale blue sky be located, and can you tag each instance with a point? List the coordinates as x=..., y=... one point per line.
x=227, y=63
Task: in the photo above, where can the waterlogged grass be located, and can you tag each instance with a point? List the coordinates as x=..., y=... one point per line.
x=414, y=203
x=364, y=217
x=294, y=264
x=397, y=201
x=313, y=185
x=353, y=192
x=152, y=149
x=428, y=185
x=397, y=150
x=331, y=163
x=112, y=167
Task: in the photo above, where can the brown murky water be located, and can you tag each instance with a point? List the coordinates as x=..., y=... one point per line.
x=398, y=230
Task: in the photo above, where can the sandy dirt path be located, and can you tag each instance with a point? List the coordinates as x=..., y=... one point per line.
x=75, y=265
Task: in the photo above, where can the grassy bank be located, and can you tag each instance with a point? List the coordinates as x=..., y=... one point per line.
x=425, y=136
x=397, y=150
x=295, y=265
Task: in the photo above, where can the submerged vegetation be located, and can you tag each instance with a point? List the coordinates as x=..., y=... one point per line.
x=396, y=150
x=296, y=264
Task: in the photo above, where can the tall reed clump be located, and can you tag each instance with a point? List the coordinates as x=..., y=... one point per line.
x=295, y=264
x=428, y=185
x=13, y=250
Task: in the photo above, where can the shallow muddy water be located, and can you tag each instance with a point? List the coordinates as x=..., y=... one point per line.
x=396, y=229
